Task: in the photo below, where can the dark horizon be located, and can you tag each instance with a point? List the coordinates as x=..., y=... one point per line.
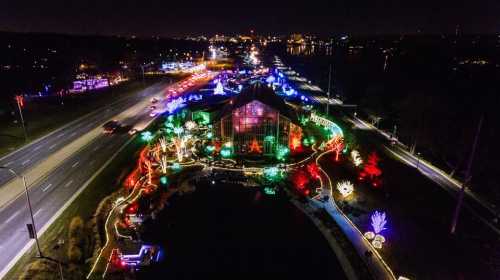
x=154, y=18
x=180, y=37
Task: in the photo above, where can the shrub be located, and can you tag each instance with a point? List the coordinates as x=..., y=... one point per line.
x=74, y=254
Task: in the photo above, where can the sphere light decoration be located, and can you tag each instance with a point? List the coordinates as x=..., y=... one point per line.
x=369, y=235
x=377, y=244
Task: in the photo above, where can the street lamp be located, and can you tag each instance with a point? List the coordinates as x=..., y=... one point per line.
x=32, y=226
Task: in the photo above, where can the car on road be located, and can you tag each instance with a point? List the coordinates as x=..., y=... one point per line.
x=111, y=126
x=132, y=131
x=153, y=114
x=154, y=100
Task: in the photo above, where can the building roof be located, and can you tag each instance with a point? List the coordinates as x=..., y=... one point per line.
x=260, y=92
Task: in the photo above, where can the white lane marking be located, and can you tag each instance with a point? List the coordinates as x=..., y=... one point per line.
x=12, y=217
x=52, y=147
x=36, y=148
x=60, y=135
x=73, y=134
x=8, y=163
x=25, y=162
x=68, y=183
x=75, y=164
x=37, y=212
x=96, y=148
x=47, y=187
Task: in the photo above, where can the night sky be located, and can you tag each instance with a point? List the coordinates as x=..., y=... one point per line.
x=187, y=17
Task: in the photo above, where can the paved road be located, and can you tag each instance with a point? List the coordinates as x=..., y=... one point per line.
x=30, y=155
x=49, y=194
x=483, y=210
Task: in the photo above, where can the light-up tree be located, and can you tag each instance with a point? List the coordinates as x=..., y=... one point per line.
x=371, y=167
x=179, y=142
x=336, y=144
x=163, y=164
x=163, y=144
x=378, y=222
x=219, y=89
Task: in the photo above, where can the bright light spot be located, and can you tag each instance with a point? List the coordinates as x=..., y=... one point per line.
x=378, y=222
x=146, y=136
x=346, y=188
x=369, y=235
x=356, y=158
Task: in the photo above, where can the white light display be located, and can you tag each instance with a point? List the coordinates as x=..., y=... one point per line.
x=356, y=158
x=345, y=188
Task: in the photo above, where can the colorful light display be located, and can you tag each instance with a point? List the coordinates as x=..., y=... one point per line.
x=345, y=188
x=296, y=139
x=273, y=173
x=270, y=79
x=269, y=191
x=313, y=170
x=371, y=168
x=163, y=164
x=336, y=144
x=227, y=150
x=332, y=127
x=147, y=136
x=282, y=152
x=175, y=104
x=190, y=125
x=356, y=158
x=176, y=166
x=164, y=181
x=255, y=147
x=219, y=89
x=210, y=149
x=269, y=138
x=378, y=222
x=300, y=179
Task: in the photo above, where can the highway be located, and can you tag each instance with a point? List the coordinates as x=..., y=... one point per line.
x=84, y=150
x=63, y=163
x=30, y=155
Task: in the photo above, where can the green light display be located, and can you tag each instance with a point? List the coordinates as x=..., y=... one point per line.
x=164, y=181
x=273, y=174
x=147, y=136
x=282, y=152
x=269, y=191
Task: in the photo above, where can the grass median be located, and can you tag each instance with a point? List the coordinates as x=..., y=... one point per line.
x=108, y=181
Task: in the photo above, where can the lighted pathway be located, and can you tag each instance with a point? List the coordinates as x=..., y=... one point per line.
x=376, y=265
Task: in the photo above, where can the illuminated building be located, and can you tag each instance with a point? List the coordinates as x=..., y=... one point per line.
x=257, y=117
